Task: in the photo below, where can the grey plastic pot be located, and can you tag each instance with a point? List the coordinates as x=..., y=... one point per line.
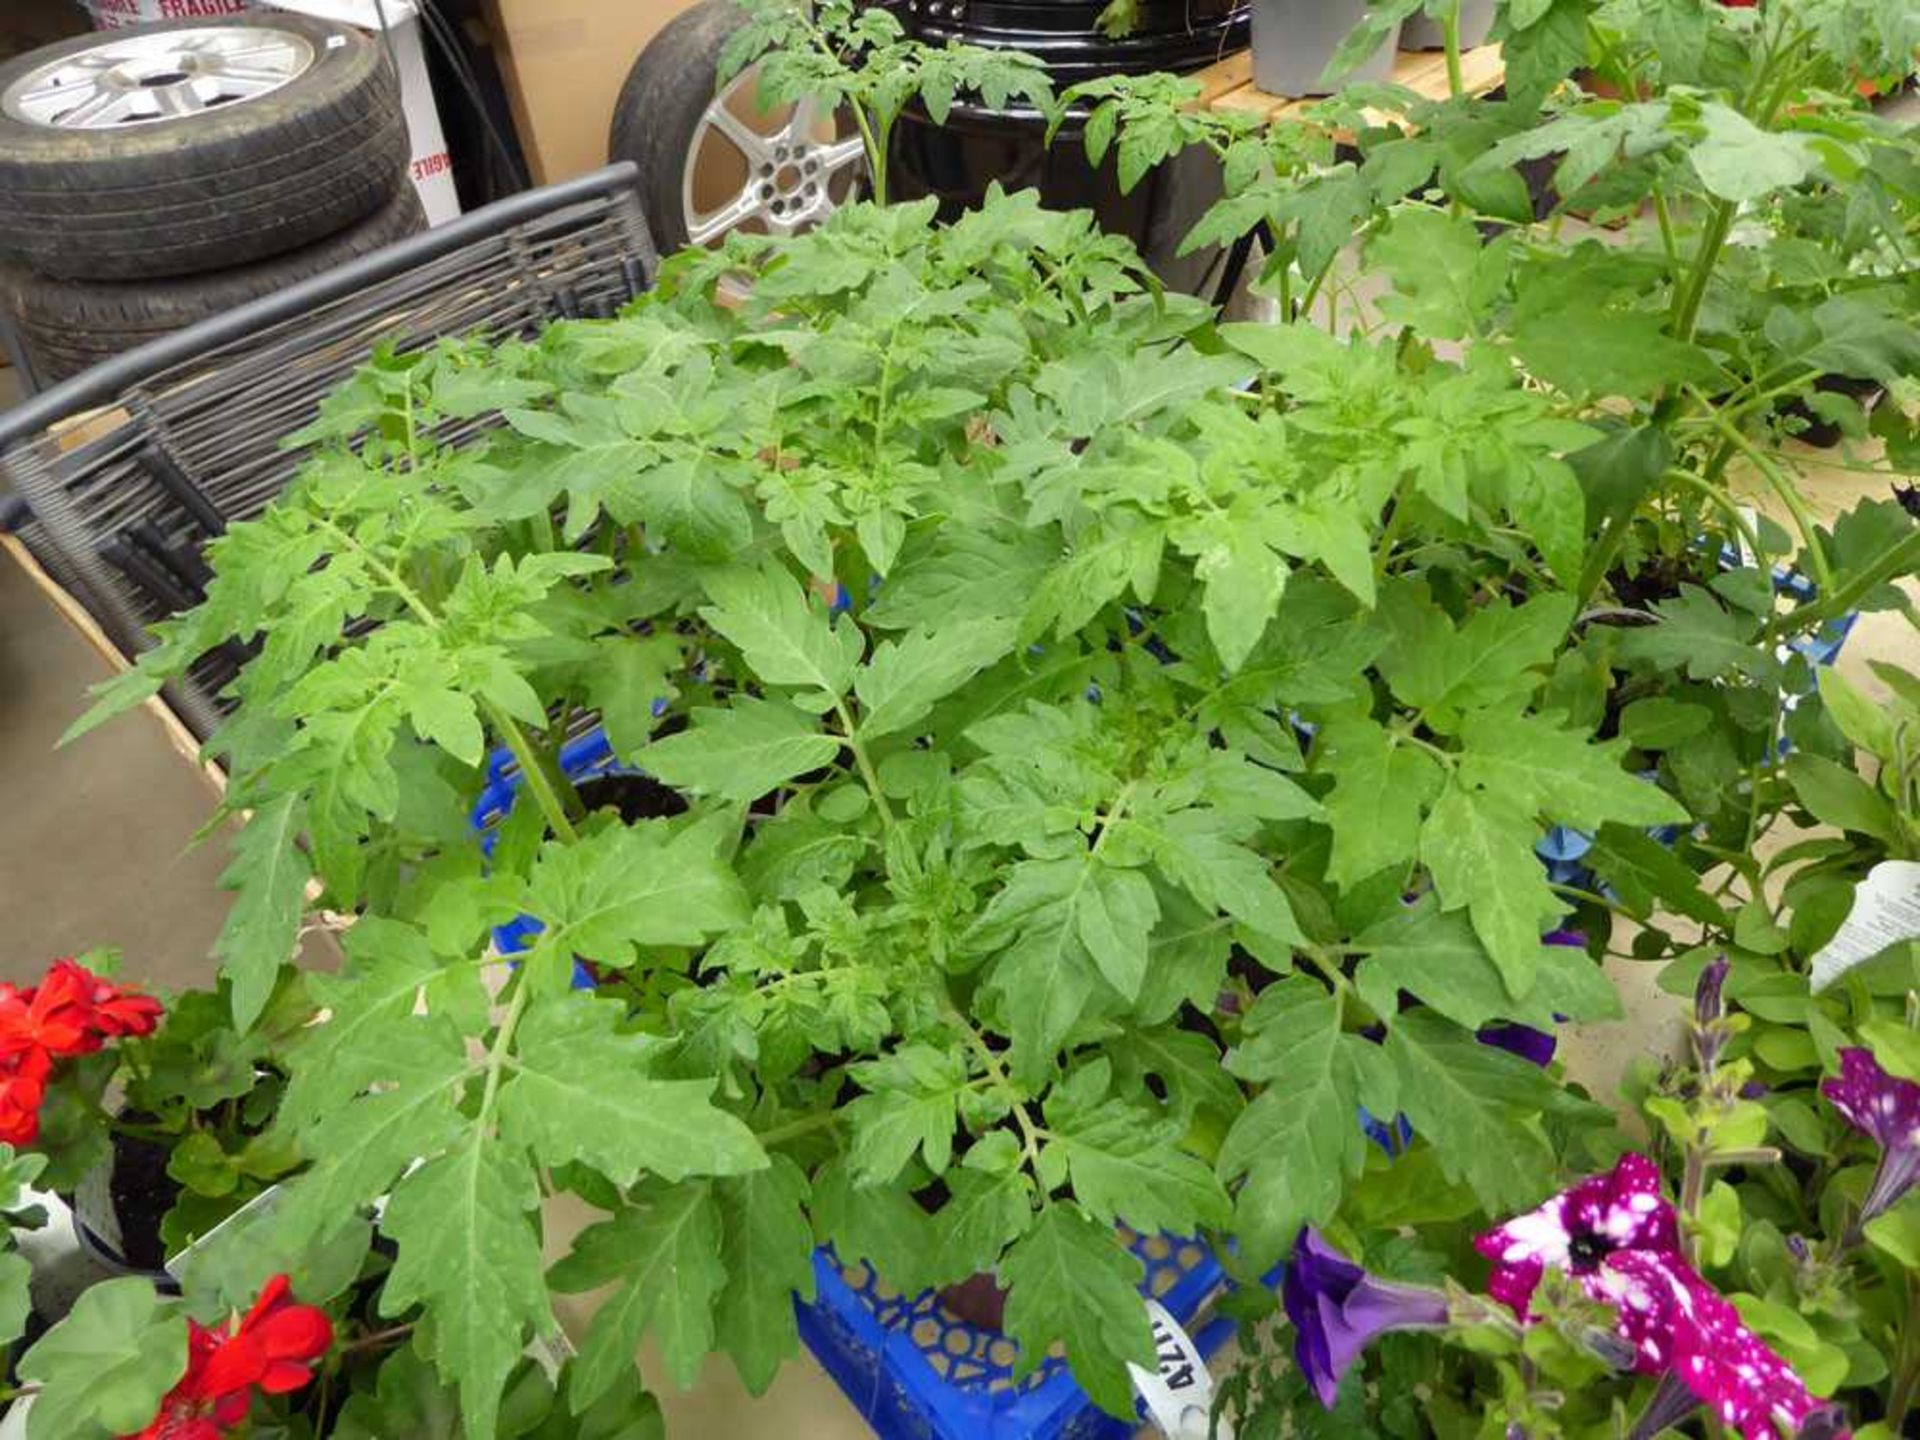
x=1420, y=31
x=1294, y=39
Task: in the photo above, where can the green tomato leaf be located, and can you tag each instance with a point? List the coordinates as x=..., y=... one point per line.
x=767, y=1249
x=1446, y=278
x=904, y=677
x=1696, y=634
x=884, y=1226
x=560, y=1104
x=623, y=680
x=469, y=1252
x=1739, y=161
x=785, y=638
x=1537, y=765
x=911, y=1104
x=1437, y=957
x=1071, y=1281
x=663, y=1249
x=1478, y=845
x=1380, y=790
x=624, y=888
x=1299, y=1143
x=1476, y=1105
x=270, y=871
x=1243, y=580
x=741, y=752
x=1127, y=1166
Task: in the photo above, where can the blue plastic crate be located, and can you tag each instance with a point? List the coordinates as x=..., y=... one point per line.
x=915, y=1371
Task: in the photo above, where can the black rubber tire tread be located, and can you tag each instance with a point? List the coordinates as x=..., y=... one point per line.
x=660, y=105
x=211, y=191
x=67, y=325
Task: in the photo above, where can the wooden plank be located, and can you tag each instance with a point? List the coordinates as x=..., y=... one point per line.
x=1422, y=71
x=1481, y=69
x=1224, y=75
x=1254, y=102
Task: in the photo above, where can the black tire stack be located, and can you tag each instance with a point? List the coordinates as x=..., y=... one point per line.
x=112, y=236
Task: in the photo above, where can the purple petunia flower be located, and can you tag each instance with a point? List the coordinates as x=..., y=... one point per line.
x=1887, y=1108
x=1534, y=1046
x=1618, y=1236
x=1578, y=1228
x=1338, y=1309
x=1729, y=1369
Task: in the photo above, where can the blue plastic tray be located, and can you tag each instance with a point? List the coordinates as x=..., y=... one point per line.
x=915, y=1371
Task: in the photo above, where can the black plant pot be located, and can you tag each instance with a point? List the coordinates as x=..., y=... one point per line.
x=1825, y=434
x=979, y=145
x=118, y=1207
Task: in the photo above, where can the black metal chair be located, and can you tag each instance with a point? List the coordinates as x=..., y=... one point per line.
x=128, y=469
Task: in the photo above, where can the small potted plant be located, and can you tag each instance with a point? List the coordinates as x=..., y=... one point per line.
x=151, y=1122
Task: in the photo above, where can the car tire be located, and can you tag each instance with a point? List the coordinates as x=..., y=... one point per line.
x=66, y=325
x=660, y=115
x=245, y=178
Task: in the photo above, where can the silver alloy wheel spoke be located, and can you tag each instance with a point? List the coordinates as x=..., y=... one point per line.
x=713, y=225
x=134, y=78
x=176, y=100
x=752, y=145
x=788, y=170
x=799, y=127
x=838, y=156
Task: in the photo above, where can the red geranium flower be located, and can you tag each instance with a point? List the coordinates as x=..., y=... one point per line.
x=23, y=1085
x=110, y=1010
x=72, y=1011
x=270, y=1350
x=55, y=1016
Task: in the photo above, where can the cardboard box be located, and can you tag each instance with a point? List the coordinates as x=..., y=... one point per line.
x=564, y=62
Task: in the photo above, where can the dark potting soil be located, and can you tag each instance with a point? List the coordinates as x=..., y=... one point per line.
x=634, y=797
x=142, y=1193
x=980, y=1300
x=1656, y=579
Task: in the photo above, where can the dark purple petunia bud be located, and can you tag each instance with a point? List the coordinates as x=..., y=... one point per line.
x=1829, y=1422
x=1710, y=1034
x=1707, y=1003
x=1338, y=1309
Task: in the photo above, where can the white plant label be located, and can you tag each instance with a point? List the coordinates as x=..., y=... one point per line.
x=1178, y=1392
x=1886, y=910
